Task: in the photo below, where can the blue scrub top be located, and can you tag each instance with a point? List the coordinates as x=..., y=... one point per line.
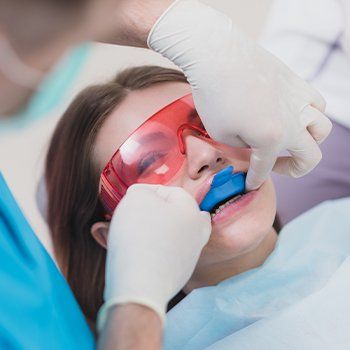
x=37, y=307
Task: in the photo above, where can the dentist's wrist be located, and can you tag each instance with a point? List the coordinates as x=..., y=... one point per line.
x=134, y=21
x=157, y=309
x=131, y=326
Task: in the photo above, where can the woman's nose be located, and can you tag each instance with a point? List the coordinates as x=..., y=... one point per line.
x=202, y=157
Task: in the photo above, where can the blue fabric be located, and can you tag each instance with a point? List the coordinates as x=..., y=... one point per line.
x=37, y=307
x=298, y=299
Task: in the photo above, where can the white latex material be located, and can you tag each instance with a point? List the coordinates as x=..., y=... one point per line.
x=244, y=95
x=155, y=239
x=298, y=299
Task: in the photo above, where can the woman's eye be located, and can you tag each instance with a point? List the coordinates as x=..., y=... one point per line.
x=148, y=160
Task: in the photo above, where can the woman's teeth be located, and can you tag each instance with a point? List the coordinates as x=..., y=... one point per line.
x=226, y=204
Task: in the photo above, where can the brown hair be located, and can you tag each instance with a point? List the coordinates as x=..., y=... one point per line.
x=72, y=181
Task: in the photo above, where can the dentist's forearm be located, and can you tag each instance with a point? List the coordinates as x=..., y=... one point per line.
x=134, y=20
x=131, y=327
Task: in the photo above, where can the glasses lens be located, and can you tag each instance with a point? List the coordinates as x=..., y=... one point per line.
x=152, y=153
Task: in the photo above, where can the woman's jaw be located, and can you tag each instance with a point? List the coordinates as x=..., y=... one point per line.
x=214, y=273
x=242, y=235
x=247, y=216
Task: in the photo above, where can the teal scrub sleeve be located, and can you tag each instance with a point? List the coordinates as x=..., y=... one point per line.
x=51, y=93
x=37, y=307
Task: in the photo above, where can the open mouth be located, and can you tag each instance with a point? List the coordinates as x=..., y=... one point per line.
x=225, y=203
x=226, y=188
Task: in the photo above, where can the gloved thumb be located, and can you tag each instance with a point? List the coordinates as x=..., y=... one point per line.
x=206, y=224
x=162, y=192
x=261, y=164
x=173, y=194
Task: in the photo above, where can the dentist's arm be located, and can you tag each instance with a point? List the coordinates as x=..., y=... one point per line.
x=131, y=327
x=132, y=21
x=156, y=236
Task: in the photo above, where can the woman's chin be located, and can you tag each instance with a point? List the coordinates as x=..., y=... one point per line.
x=230, y=243
x=242, y=231
x=237, y=241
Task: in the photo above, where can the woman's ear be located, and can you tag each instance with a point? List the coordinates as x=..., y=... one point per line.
x=99, y=231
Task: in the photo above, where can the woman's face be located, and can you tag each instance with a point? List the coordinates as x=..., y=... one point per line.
x=238, y=228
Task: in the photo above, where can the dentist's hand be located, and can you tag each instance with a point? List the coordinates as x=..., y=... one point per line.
x=244, y=95
x=156, y=236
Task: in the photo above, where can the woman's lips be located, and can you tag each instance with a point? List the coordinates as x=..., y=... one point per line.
x=234, y=208
x=204, y=189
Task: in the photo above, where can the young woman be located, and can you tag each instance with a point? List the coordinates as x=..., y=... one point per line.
x=117, y=134
x=93, y=128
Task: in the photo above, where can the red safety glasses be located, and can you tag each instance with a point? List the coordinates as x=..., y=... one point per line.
x=152, y=154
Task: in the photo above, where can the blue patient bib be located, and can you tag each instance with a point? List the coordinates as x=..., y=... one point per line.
x=37, y=307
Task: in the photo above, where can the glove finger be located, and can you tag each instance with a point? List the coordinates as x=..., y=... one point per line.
x=317, y=100
x=164, y=192
x=231, y=140
x=142, y=187
x=318, y=125
x=174, y=194
x=304, y=157
x=236, y=141
x=148, y=192
x=261, y=164
x=206, y=223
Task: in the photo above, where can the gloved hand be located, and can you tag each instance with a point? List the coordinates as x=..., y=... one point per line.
x=244, y=95
x=156, y=236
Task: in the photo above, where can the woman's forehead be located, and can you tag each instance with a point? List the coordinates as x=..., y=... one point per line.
x=133, y=111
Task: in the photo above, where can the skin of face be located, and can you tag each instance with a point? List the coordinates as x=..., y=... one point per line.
x=234, y=239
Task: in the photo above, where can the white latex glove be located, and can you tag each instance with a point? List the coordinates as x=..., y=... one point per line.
x=156, y=236
x=244, y=95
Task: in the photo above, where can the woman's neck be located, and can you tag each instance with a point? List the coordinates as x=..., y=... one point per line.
x=211, y=275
